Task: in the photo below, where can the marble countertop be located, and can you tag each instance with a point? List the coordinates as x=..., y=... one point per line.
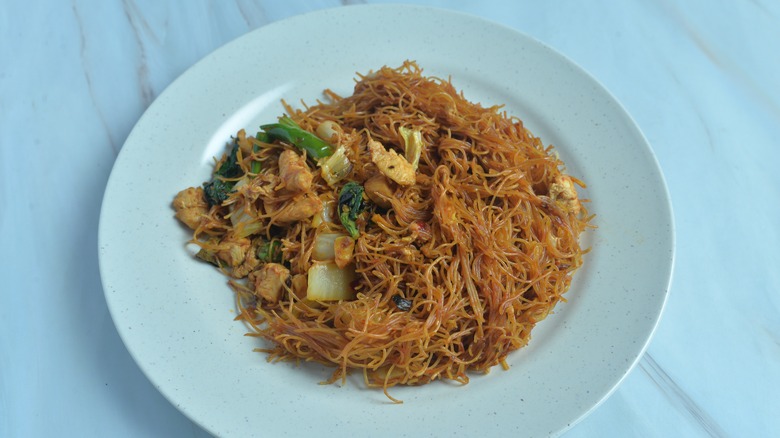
x=699, y=77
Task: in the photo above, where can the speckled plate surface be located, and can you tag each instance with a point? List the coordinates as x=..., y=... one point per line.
x=176, y=315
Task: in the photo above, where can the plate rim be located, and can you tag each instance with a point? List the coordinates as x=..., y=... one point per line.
x=102, y=229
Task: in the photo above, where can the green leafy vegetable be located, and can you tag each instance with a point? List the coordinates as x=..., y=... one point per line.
x=350, y=206
x=270, y=251
x=218, y=189
x=289, y=131
x=255, y=167
x=230, y=168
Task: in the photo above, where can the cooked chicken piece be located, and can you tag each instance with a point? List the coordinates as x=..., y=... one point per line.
x=299, y=208
x=213, y=221
x=300, y=283
x=294, y=172
x=269, y=281
x=379, y=190
x=250, y=263
x=564, y=192
x=191, y=206
x=233, y=251
x=391, y=164
x=261, y=187
x=343, y=247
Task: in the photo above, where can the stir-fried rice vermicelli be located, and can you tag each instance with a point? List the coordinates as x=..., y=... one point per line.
x=408, y=233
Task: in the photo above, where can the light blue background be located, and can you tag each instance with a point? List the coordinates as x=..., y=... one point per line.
x=699, y=77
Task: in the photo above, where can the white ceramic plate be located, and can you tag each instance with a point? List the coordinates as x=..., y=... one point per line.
x=175, y=315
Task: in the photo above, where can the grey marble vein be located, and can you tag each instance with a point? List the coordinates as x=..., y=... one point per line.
x=720, y=59
x=679, y=397
x=137, y=23
x=252, y=12
x=86, y=68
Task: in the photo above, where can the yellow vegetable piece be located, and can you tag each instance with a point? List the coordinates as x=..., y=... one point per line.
x=412, y=145
x=328, y=282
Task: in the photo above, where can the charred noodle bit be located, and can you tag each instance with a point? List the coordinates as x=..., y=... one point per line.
x=402, y=303
x=445, y=271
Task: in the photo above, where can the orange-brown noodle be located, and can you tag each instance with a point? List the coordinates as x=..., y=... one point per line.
x=483, y=244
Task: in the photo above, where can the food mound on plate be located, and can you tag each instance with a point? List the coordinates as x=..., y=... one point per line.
x=403, y=231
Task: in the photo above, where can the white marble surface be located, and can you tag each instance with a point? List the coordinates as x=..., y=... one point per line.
x=699, y=77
